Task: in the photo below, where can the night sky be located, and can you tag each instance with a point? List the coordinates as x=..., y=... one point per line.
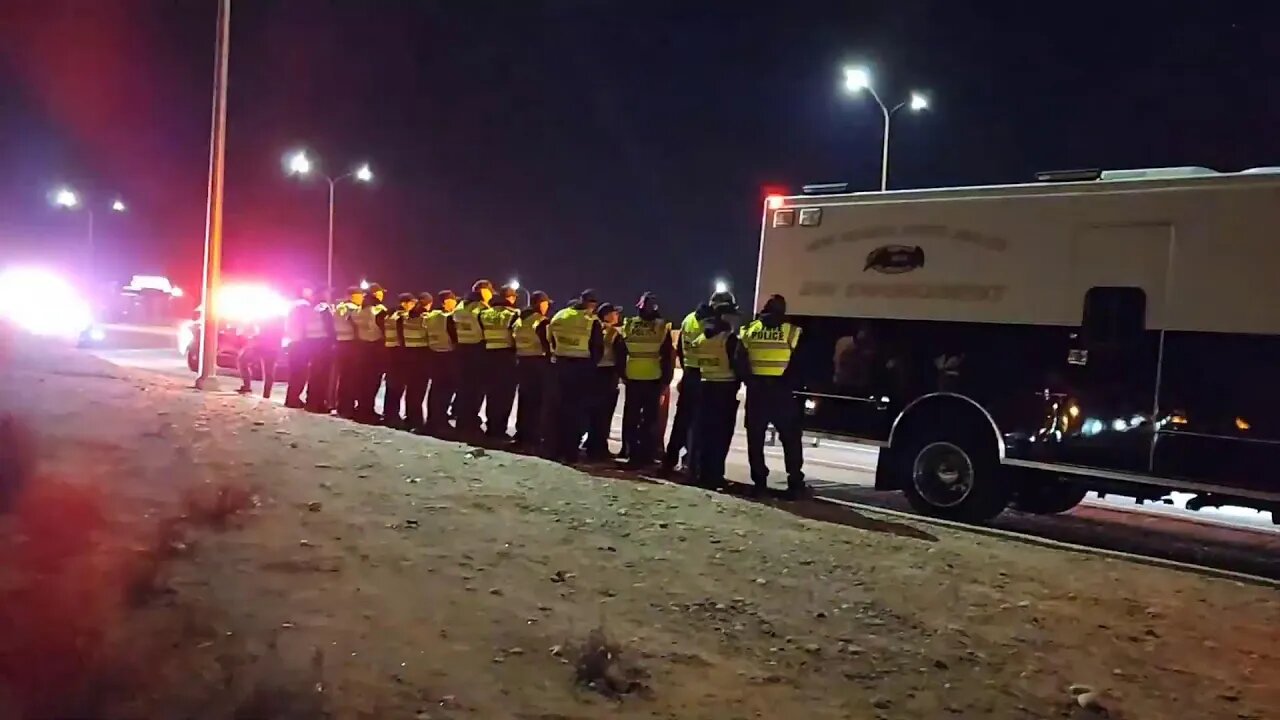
x=584, y=143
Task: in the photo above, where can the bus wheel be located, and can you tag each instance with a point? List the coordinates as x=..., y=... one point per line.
x=954, y=477
x=1047, y=498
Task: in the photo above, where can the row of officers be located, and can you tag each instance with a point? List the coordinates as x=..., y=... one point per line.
x=443, y=360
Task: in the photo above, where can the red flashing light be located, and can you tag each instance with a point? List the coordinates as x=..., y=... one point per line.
x=775, y=201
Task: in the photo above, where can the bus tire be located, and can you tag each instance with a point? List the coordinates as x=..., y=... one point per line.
x=953, y=475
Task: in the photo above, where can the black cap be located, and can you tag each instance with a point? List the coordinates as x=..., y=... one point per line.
x=775, y=305
x=538, y=296
x=723, y=298
x=446, y=295
x=406, y=297
x=482, y=285
x=375, y=287
x=425, y=297
x=508, y=291
x=588, y=296
x=354, y=289
x=647, y=299
x=606, y=308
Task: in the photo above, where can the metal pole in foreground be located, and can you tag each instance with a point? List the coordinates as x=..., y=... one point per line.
x=328, y=278
x=884, y=151
x=207, y=379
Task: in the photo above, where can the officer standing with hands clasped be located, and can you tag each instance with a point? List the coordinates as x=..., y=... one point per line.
x=413, y=331
x=649, y=368
x=442, y=363
x=347, y=353
x=496, y=322
x=369, y=322
x=533, y=357
x=309, y=328
x=763, y=359
x=395, y=361
x=470, y=348
x=577, y=344
x=604, y=389
x=683, y=435
x=718, y=408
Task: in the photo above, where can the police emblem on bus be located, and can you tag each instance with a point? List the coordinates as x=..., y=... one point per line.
x=894, y=259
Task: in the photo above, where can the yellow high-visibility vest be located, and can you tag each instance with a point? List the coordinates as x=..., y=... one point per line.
x=319, y=321
x=414, y=330
x=690, y=330
x=466, y=321
x=437, y=326
x=769, y=349
x=570, y=333
x=390, y=332
x=344, y=326
x=367, y=329
x=526, y=334
x=609, y=357
x=713, y=358
x=644, y=340
x=495, y=324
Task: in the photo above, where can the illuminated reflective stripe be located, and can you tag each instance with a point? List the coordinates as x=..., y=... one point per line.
x=466, y=321
x=769, y=349
x=570, y=333
x=526, y=335
x=495, y=325
x=437, y=327
x=344, y=321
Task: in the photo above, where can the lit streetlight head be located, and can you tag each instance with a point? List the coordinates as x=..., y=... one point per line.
x=919, y=102
x=299, y=163
x=722, y=286
x=514, y=284
x=364, y=284
x=118, y=206
x=66, y=197
x=856, y=79
x=364, y=173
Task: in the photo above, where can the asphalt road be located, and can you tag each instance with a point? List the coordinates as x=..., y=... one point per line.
x=1235, y=539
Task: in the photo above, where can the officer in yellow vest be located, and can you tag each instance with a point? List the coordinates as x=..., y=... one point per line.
x=763, y=358
x=649, y=368
x=470, y=349
x=395, y=361
x=497, y=322
x=442, y=363
x=604, y=391
x=577, y=344
x=413, y=331
x=690, y=389
x=348, y=351
x=718, y=406
x=370, y=321
x=308, y=328
x=533, y=358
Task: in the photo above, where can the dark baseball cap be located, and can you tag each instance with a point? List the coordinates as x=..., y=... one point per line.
x=538, y=296
x=606, y=308
x=482, y=285
x=425, y=297
x=588, y=296
x=406, y=297
x=446, y=295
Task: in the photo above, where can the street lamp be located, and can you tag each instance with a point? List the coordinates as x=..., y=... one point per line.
x=65, y=197
x=514, y=284
x=300, y=164
x=721, y=286
x=857, y=79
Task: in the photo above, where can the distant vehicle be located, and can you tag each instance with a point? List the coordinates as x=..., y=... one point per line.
x=243, y=308
x=1022, y=345
x=146, y=300
x=45, y=303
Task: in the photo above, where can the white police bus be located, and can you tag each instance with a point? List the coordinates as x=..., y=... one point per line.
x=1113, y=331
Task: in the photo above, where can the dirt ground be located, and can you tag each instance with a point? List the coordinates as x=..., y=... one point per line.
x=171, y=554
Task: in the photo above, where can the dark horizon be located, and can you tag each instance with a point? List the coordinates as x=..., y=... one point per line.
x=583, y=143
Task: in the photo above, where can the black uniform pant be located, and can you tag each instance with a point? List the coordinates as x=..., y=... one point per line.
x=417, y=377
x=299, y=354
x=320, y=375
x=770, y=401
x=348, y=367
x=573, y=376
x=500, y=391
x=257, y=355
x=371, y=371
x=683, y=436
x=531, y=373
x=396, y=365
x=603, y=403
x=471, y=387
x=717, y=413
x=444, y=383
x=640, y=419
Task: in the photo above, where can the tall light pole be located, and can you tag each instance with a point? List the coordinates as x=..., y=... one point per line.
x=207, y=378
x=67, y=198
x=300, y=164
x=857, y=79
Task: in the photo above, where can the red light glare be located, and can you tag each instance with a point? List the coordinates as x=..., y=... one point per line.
x=775, y=201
